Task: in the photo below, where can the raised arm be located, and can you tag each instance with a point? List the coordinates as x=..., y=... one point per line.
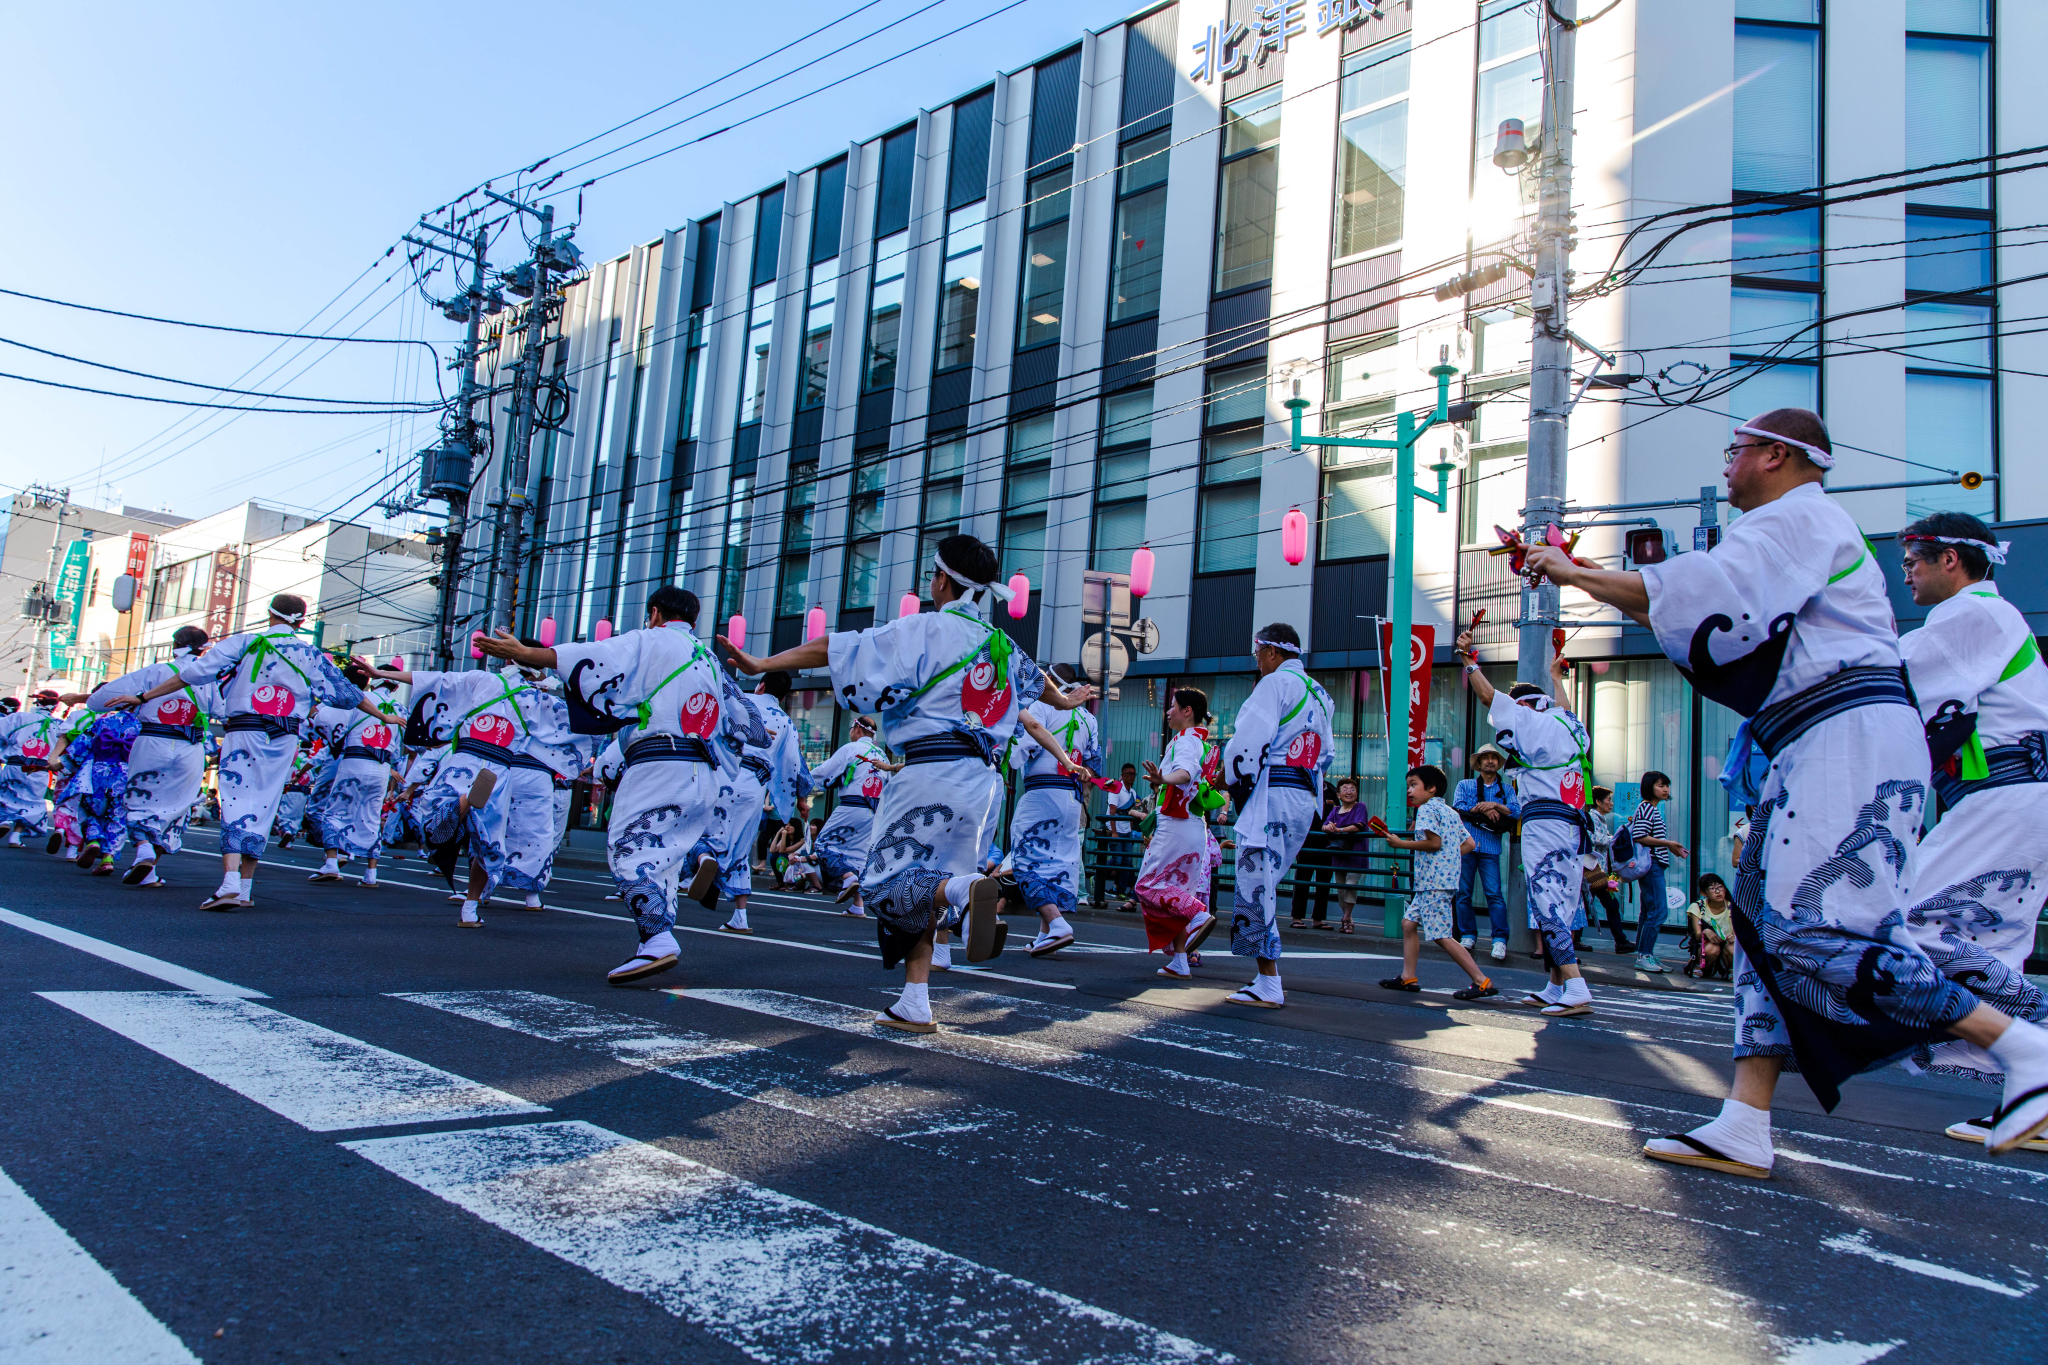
x=1615, y=587
x=503, y=644
x=810, y=654
x=1047, y=740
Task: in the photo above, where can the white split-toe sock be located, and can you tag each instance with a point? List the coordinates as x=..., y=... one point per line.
x=468, y=913
x=2023, y=1051
x=942, y=957
x=1739, y=1132
x=738, y=919
x=915, y=1004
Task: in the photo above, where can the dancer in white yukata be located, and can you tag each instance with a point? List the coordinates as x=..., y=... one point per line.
x=547, y=753
x=1976, y=882
x=689, y=722
x=1787, y=622
x=1045, y=827
x=1273, y=766
x=28, y=741
x=1549, y=747
x=950, y=688
x=770, y=774
x=349, y=814
x=1172, y=885
x=169, y=759
x=860, y=768
x=468, y=795
x=269, y=682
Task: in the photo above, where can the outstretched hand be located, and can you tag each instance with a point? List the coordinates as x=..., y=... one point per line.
x=742, y=661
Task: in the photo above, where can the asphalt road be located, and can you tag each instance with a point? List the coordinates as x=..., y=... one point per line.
x=335, y=1126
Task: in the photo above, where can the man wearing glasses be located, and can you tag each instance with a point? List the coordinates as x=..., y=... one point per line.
x=1787, y=622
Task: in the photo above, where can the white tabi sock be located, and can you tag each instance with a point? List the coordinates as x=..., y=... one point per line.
x=956, y=890
x=1059, y=926
x=248, y=887
x=1576, y=991
x=2021, y=1045
x=1268, y=986
x=468, y=909
x=533, y=899
x=331, y=865
x=151, y=880
x=739, y=918
x=915, y=1003
x=145, y=852
x=1178, y=963
x=942, y=956
x=370, y=875
x=1552, y=993
x=1739, y=1131
x=230, y=885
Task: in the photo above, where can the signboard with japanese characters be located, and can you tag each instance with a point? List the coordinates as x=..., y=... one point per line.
x=138, y=555
x=71, y=592
x=221, y=593
x=1233, y=48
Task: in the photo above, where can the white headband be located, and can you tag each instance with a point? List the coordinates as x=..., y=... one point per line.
x=1260, y=641
x=1825, y=459
x=1001, y=590
x=1994, y=553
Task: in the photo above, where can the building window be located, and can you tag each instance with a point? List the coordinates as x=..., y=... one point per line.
x=1121, y=471
x=824, y=295
x=180, y=588
x=1050, y=200
x=1510, y=85
x=1372, y=166
x=960, y=292
x=864, y=527
x=1027, y=497
x=690, y=428
x=1357, y=491
x=732, y=563
x=1232, y=456
x=760, y=330
x=1250, y=193
x=885, y=310
x=792, y=596
x=1951, y=313
x=945, y=469
x=1140, y=227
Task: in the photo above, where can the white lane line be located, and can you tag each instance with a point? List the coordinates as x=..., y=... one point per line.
x=1858, y=1244
x=129, y=958
x=59, y=1306
x=777, y=1277
x=1832, y=1350
x=317, y=1078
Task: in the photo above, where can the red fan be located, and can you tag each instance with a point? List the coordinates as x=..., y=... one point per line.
x=1378, y=827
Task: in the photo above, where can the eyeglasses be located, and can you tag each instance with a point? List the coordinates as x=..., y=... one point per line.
x=1730, y=454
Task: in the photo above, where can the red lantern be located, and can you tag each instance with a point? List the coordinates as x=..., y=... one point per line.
x=1294, y=536
x=1020, y=596
x=547, y=633
x=1141, y=571
x=604, y=630
x=736, y=631
x=909, y=606
x=814, y=623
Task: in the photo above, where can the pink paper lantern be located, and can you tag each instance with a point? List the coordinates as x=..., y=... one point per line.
x=547, y=633
x=397, y=664
x=474, y=652
x=1294, y=536
x=814, y=623
x=1599, y=665
x=909, y=606
x=1141, y=571
x=1020, y=596
x=604, y=630
x=736, y=631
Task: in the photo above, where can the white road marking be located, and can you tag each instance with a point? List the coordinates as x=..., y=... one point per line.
x=317, y=1078
x=778, y=1278
x=129, y=958
x=1858, y=1244
x=1833, y=1351
x=59, y=1306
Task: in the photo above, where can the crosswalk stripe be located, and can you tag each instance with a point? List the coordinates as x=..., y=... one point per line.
x=781, y=1279
x=127, y=957
x=59, y=1306
x=319, y=1079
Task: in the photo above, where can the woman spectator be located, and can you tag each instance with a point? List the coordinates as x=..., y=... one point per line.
x=1712, y=921
x=1346, y=827
x=1647, y=827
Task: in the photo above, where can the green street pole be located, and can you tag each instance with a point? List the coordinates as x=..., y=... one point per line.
x=1401, y=575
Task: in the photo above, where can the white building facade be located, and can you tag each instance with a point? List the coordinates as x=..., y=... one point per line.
x=1064, y=311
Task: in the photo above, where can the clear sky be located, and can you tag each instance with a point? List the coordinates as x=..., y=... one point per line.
x=250, y=164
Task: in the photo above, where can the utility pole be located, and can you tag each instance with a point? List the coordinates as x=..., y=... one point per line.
x=42, y=604
x=1550, y=369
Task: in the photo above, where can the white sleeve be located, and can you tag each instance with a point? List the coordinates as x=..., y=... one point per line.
x=1258, y=721
x=220, y=657
x=601, y=678
x=127, y=685
x=1960, y=652
x=1540, y=737
x=829, y=771
x=875, y=669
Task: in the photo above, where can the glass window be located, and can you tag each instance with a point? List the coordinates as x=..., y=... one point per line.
x=1777, y=108
x=1358, y=510
x=1372, y=177
x=1230, y=529
x=1507, y=27
x=1140, y=229
x=1119, y=531
x=863, y=565
x=1774, y=322
x=1027, y=488
x=1123, y=476
x=960, y=294
x=1510, y=85
x=693, y=380
x=796, y=583
x=1786, y=11
x=1947, y=255
x=1251, y=137
x=944, y=467
x=1024, y=547
x=1237, y=394
x=1776, y=386
x=864, y=510
x=1127, y=418
x=1361, y=371
x=1491, y=492
x=885, y=310
x=803, y=506
x=760, y=330
x=1045, y=258
x=1501, y=342
x=1777, y=246
x=1948, y=424
x=818, y=332
x=1232, y=455
x=1948, y=336
x=1948, y=114
x=1972, y=17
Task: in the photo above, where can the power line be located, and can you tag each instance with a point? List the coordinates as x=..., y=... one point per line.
x=218, y=327
x=367, y=404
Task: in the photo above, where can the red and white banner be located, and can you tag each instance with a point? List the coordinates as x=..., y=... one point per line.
x=1421, y=650
x=138, y=558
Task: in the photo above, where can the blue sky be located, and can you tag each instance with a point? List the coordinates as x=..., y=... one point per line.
x=245, y=164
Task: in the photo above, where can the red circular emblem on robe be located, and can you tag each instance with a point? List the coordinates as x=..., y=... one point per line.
x=272, y=699
x=35, y=747
x=1304, y=749
x=491, y=730
x=376, y=736
x=871, y=785
x=979, y=695
x=700, y=715
x=176, y=711
x=1571, y=788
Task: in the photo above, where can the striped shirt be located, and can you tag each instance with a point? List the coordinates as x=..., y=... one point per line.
x=1649, y=820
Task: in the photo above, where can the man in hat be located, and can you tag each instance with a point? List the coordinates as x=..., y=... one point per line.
x=1788, y=623
x=1488, y=806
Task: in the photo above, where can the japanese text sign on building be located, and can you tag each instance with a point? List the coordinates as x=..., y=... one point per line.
x=1229, y=49
x=1422, y=648
x=71, y=592
x=138, y=554
x=220, y=600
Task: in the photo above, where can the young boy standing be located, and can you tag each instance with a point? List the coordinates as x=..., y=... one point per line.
x=1439, y=842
